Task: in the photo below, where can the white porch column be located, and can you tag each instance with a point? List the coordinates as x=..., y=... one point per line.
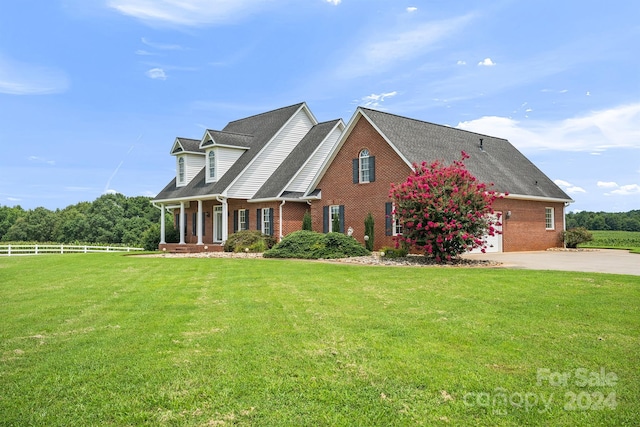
x=162, y=228
x=199, y=222
x=225, y=220
x=182, y=223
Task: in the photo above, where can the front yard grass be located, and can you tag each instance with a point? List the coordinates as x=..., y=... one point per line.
x=107, y=339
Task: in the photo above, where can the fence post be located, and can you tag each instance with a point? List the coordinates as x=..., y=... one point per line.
x=36, y=249
x=85, y=249
x=62, y=248
x=9, y=251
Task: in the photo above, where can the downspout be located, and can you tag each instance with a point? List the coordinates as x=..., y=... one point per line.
x=280, y=218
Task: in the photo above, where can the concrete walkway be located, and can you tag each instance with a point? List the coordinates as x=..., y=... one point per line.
x=596, y=261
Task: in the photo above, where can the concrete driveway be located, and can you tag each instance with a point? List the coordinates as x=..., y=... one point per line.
x=596, y=261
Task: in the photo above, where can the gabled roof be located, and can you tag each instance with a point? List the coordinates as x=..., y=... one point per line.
x=186, y=145
x=497, y=161
x=275, y=185
x=229, y=139
x=262, y=128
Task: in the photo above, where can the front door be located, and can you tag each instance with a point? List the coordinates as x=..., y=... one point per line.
x=217, y=223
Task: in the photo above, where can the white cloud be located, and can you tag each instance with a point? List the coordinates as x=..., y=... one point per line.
x=487, y=62
x=388, y=47
x=20, y=78
x=461, y=62
x=607, y=184
x=618, y=127
x=568, y=187
x=161, y=46
x=626, y=190
x=374, y=100
x=188, y=13
x=37, y=159
x=157, y=74
x=334, y=2
x=412, y=9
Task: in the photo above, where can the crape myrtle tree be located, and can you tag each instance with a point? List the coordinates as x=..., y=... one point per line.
x=444, y=210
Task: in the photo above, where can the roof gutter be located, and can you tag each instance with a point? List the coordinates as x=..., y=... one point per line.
x=537, y=198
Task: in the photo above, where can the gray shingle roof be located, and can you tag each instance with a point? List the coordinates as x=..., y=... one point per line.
x=275, y=185
x=188, y=145
x=262, y=128
x=228, y=138
x=498, y=162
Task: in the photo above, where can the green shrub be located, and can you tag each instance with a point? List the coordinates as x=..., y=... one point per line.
x=306, y=221
x=575, y=236
x=390, y=252
x=368, y=231
x=151, y=237
x=253, y=240
x=311, y=245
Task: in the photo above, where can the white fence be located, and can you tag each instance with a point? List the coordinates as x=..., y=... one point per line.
x=33, y=249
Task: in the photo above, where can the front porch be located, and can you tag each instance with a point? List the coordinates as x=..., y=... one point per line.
x=190, y=248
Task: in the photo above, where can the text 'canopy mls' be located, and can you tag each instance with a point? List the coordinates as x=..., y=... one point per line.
x=443, y=210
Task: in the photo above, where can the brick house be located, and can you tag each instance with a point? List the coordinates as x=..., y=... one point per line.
x=378, y=148
x=251, y=175
x=263, y=172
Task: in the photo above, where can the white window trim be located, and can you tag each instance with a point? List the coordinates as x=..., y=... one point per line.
x=242, y=219
x=181, y=174
x=267, y=221
x=550, y=210
x=213, y=178
x=361, y=169
x=396, y=229
x=331, y=213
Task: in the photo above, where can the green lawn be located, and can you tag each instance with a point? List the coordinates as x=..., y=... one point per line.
x=106, y=339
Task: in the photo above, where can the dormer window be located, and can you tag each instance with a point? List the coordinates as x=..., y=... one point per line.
x=212, y=165
x=181, y=170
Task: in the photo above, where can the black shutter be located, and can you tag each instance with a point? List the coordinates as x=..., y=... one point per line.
x=194, y=225
x=235, y=221
x=246, y=219
x=356, y=174
x=388, y=219
x=372, y=168
x=271, y=221
x=325, y=219
x=204, y=224
x=341, y=214
x=258, y=222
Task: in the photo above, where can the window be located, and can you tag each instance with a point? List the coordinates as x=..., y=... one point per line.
x=334, y=218
x=549, y=221
x=212, y=165
x=393, y=227
x=181, y=170
x=267, y=222
x=242, y=219
x=364, y=166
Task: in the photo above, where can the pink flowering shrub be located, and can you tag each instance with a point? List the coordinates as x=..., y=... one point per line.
x=444, y=210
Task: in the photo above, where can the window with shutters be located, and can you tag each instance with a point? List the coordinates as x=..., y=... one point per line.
x=334, y=218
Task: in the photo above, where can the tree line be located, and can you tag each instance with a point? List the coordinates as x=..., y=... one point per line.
x=619, y=221
x=110, y=219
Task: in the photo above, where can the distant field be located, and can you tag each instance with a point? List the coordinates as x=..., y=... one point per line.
x=106, y=339
x=614, y=240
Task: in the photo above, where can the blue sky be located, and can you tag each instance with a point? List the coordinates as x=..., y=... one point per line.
x=94, y=92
